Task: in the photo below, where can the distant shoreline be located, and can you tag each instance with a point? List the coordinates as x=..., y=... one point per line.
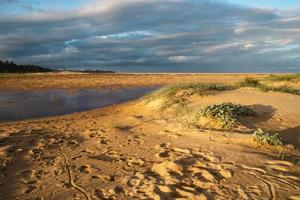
x=57, y=72
x=75, y=80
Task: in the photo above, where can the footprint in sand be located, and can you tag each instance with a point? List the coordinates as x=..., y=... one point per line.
x=88, y=151
x=85, y=169
x=165, y=168
x=106, y=157
x=135, y=161
x=29, y=177
x=205, y=156
x=165, y=145
x=163, y=154
x=104, y=141
x=73, y=142
x=139, y=141
x=104, y=178
x=133, y=182
x=184, y=176
x=30, y=189
x=138, y=116
x=104, y=194
x=91, y=133
x=181, y=150
x=294, y=197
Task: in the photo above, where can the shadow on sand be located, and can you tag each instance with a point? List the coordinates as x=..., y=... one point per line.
x=264, y=114
x=291, y=136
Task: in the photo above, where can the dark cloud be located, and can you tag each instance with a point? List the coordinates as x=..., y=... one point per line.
x=148, y=35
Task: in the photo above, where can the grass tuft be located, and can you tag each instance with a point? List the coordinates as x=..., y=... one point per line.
x=198, y=88
x=249, y=82
x=255, y=83
x=284, y=89
x=180, y=93
x=288, y=77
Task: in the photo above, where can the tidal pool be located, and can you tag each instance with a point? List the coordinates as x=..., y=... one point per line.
x=35, y=104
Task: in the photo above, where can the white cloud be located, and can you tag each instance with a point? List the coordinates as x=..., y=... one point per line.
x=240, y=28
x=127, y=35
x=248, y=46
x=178, y=59
x=215, y=48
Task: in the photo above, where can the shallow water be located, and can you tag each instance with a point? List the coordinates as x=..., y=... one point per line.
x=35, y=104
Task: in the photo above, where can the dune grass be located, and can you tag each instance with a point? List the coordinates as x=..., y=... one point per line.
x=255, y=83
x=177, y=97
x=180, y=93
x=287, y=77
x=248, y=82
x=195, y=88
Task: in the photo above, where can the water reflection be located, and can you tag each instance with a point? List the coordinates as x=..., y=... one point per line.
x=34, y=104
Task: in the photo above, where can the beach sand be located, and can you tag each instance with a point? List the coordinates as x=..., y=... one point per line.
x=137, y=150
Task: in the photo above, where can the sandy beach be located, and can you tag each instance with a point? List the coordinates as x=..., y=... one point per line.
x=144, y=150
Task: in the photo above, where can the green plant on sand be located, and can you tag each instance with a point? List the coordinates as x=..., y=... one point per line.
x=270, y=138
x=227, y=113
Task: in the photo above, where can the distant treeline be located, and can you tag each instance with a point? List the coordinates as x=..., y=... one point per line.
x=11, y=67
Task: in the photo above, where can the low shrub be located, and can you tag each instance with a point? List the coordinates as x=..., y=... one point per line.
x=270, y=138
x=285, y=89
x=227, y=113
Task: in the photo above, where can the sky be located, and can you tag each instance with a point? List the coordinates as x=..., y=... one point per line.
x=153, y=35
x=279, y=4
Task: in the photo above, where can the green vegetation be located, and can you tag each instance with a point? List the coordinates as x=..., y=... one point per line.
x=227, y=113
x=181, y=93
x=270, y=138
x=284, y=89
x=255, y=83
x=199, y=88
x=249, y=82
x=287, y=77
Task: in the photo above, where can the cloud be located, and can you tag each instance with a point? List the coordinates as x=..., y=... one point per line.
x=154, y=35
x=178, y=59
